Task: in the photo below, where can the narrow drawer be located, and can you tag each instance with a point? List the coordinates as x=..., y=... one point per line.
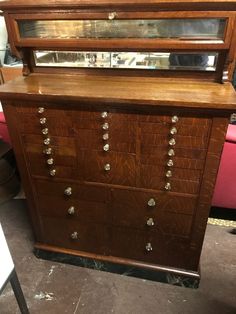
x=167, y=251
x=65, y=233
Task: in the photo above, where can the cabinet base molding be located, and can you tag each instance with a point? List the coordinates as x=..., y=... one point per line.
x=122, y=266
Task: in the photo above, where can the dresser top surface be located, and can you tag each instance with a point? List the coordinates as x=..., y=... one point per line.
x=121, y=90
x=109, y=3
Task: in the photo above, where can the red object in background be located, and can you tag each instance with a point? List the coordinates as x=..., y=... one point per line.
x=3, y=129
x=225, y=188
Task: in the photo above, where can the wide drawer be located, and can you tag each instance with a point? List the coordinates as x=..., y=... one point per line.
x=153, y=248
x=65, y=233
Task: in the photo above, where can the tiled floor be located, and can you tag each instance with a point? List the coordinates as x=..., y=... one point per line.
x=51, y=287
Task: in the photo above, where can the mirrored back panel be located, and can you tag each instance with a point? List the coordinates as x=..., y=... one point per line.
x=198, y=28
x=200, y=61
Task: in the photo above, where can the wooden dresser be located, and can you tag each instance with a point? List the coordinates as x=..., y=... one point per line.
x=118, y=125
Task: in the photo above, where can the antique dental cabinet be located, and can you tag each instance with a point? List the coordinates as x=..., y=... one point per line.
x=118, y=124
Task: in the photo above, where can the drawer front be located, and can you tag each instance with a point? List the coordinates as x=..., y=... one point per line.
x=85, y=204
x=166, y=251
x=159, y=212
x=75, y=235
x=121, y=167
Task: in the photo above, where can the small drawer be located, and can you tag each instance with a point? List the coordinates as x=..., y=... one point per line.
x=75, y=235
x=107, y=167
x=171, y=214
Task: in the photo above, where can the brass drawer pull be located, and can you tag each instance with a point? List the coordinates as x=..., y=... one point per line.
x=74, y=235
x=152, y=202
x=106, y=147
x=71, y=210
x=168, y=186
x=171, y=152
x=42, y=120
x=104, y=114
x=47, y=151
x=112, y=15
x=173, y=131
x=105, y=126
x=68, y=191
x=46, y=141
x=168, y=173
x=174, y=119
x=45, y=131
x=50, y=161
x=41, y=110
x=52, y=172
x=170, y=163
x=105, y=136
x=148, y=247
x=172, y=142
x=150, y=222
x=107, y=167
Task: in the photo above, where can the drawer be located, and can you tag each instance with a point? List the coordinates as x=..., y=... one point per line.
x=167, y=251
x=182, y=180
x=188, y=142
x=118, y=141
x=171, y=214
x=185, y=163
x=86, y=204
x=59, y=124
x=122, y=167
x=166, y=120
x=79, y=191
x=161, y=152
x=91, y=237
x=195, y=130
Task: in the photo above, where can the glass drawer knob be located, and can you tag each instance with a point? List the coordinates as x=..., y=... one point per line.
x=173, y=131
x=107, y=167
x=71, y=210
x=151, y=202
x=41, y=110
x=105, y=136
x=74, y=235
x=45, y=131
x=150, y=222
x=68, y=191
x=170, y=163
x=104, y=114
x=47, y=151
x=169, y=174
x=50, y=161
x=52, y=172
x=171, y=152
x=42, y=120
x=47, y=141
x=172, y=142
x=174, y=119
x=112, y=15
x=106, y=147
x=148, y=247
x=168, y=186
x=105, y=126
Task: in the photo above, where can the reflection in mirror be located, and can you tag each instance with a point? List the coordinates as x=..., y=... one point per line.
x=200, y=61
x=211, y=29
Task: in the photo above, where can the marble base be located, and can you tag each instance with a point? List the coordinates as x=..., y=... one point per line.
x=160, y=276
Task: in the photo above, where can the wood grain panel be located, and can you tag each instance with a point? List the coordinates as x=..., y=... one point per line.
x=185, y=163
x=91, y=237
x=91, y=167
x=181, y=141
